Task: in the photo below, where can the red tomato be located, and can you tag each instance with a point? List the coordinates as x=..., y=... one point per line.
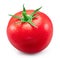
x=28, y=38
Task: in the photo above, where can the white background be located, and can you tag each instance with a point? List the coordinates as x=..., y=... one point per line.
x=50, y=7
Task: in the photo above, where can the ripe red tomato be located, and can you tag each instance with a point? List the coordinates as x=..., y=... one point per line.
x=27, y=37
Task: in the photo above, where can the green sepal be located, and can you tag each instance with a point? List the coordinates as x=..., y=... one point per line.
x=26, y=17
x=35, y=11
x=15, y=16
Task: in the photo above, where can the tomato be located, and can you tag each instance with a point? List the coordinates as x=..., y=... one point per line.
x=30, y=38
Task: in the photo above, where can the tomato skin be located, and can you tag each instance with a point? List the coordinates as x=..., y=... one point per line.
x=26, y=37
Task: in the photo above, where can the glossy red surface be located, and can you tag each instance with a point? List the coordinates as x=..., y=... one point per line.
x=27, y=38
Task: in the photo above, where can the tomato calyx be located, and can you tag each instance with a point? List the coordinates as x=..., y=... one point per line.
x=26, y=17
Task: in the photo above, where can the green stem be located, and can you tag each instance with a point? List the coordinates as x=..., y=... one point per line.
x=25, y=17
x=24, y=14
